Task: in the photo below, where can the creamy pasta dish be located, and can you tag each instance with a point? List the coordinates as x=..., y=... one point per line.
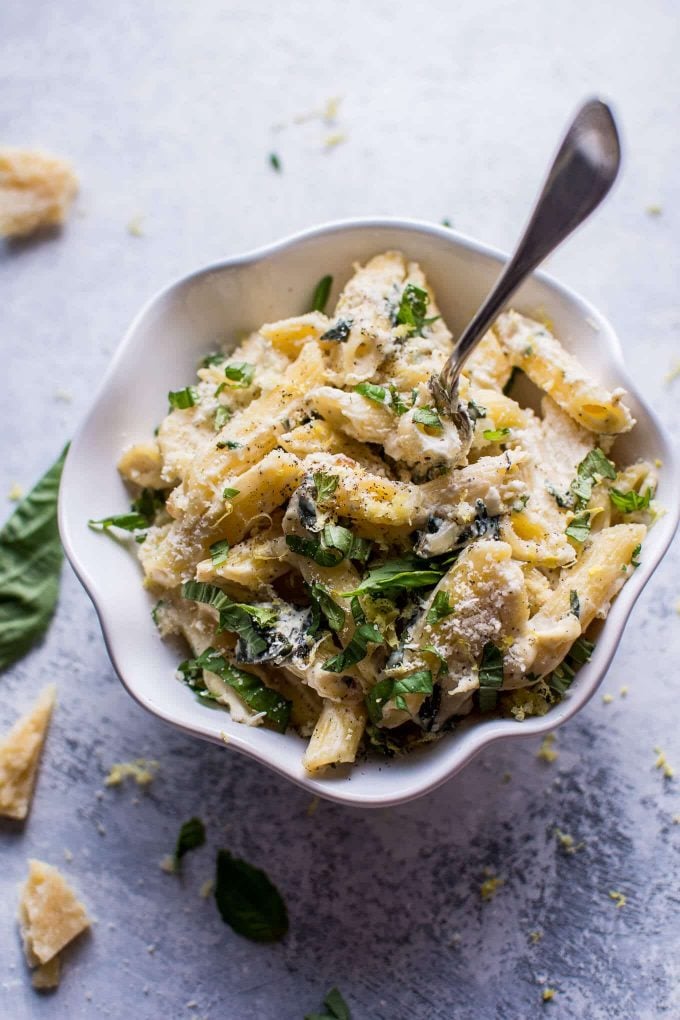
x=343, y=559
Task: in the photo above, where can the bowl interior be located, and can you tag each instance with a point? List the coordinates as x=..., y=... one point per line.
x=217, y=305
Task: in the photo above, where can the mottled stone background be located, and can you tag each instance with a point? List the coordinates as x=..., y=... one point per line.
x=168, y=110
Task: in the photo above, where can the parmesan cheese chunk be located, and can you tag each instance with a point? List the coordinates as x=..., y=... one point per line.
x=50, y=915
x=20, y=755
x=36, y=191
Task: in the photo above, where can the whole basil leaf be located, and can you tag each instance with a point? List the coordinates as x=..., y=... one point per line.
x=30, y=565
x=248, y=901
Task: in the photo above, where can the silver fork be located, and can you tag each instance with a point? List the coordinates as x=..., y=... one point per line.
x=582, y=173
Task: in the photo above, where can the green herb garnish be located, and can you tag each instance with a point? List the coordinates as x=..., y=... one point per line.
x=325, y=485
x=229, y=493
x=412, y=310
x=475, y=411
x=248, y=901
x=241, y=372
x=496, y=435
x=191, y=836
x=441, y=607
x=427, y=416
x=246, y=620
x=126, y=522
x=334, y=545
x=321, y=294
x=630, y=502
x=386, y=690
x=323, y=604
x=443, y=663
x=395, y=576
x=218, y=552
x=222, y=416
x=30, y=566
x=339, y=332
x=356, y=650
x=593, y=466
x=490, y=676
x=574, y=604
x=398, y=405
x=376, y=393
x=337, y=1008
x=275, y=162
x=210, y=360
x=181, y=399
x=579, y=528
x=634, y=555
x=248, y=686
x=228, y=444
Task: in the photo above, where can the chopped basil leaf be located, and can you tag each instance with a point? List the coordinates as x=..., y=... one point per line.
x=441, y=607
x=335, y=544
x=248, y=686
x=593, y=466
x=490, y=676
x=412, y=310
x=191, y=836
x=156, y=610
x=336, y=1006
x=241, y=372
x=321, y=294
x=476, y=411
x=275, y=162
x=339, y=332
x=30, y=566
x=560, y=679
x=325, y=485
x=634, y=555
x=228, y=444
x=386, y=690
x=358, y=615
x=446, y=222
x=496, y=435
x=579, y=528
x=398, y=405
x=355, y=650
x=397, y=575
x=245, y=620
x=313, y=549
x=218, y=552
x=229, y=493
x=248, y=901
x=181, y=399
x=222, y=416
x=321, y=598
x=630, y=502
x=581, y=651
x=210, y=360
x=376, y=393
x=427, y=416
x=574, y=604
x=127, y=522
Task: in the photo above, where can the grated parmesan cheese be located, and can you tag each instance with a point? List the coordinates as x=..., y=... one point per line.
x=546, y=751
x=142, y=771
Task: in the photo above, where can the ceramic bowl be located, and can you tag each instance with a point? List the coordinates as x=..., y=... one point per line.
x=159, y=353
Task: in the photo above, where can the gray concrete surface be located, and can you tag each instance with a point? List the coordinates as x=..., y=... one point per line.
x=168, y=110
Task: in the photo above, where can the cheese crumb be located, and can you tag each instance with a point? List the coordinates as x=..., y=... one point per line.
x=312, y=806
x=672, y=373
x=623, y=692
x=36, y=191
x=50, y=915
x=206, y=889
x=535, y=936
x=548, y=994
x=654, y=209
x=168, y=864
x=337, y=138
x=20, y=756
x=618, y=898
x=607, y=699
x=567, y=842
x=63, y=396
x=142, y=771
x=490, y=887
x=16, y=492
x=134, y=227
x=663, y=764
x=546, y=751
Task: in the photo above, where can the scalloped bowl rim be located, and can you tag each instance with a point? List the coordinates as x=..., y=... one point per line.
x=483, y=733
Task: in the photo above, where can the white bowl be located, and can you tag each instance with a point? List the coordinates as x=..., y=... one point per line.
x=160, y=352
